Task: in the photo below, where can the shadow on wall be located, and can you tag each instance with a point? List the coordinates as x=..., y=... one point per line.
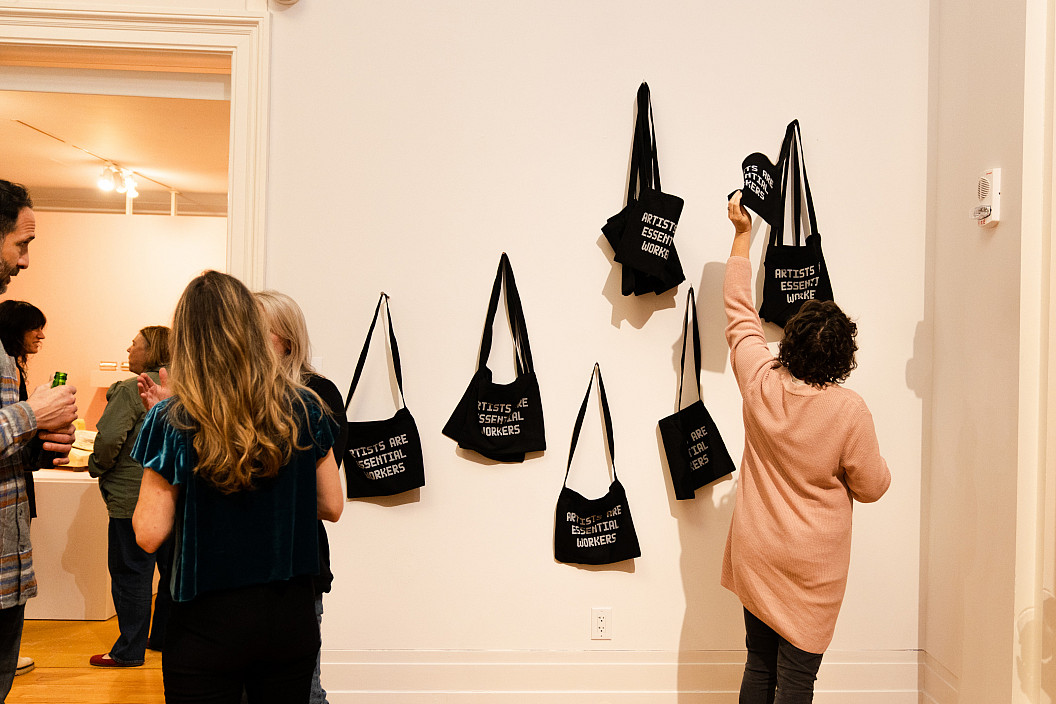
x=636, y=310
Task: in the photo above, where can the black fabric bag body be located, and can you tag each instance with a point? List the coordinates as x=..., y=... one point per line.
x=796, y=273
x=642, y=235
x=696, y=453
x=383, y=457
x=594, y=531
x=501, y=421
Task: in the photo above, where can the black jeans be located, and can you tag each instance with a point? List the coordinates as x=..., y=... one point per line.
x=11, y=620
x=776, y=672
x=262, y=639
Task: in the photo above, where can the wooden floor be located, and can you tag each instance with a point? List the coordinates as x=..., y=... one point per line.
x=63, y=676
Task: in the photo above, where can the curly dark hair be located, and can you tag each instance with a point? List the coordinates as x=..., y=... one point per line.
x=818, y=347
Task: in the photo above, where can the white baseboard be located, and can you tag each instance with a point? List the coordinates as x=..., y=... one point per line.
x=598, y=677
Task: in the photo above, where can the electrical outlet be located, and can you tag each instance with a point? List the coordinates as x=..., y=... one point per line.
x=601, y=623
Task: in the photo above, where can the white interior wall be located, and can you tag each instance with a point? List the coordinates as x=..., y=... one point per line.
x=412, y=143
x=100, y=278
x=973, y=294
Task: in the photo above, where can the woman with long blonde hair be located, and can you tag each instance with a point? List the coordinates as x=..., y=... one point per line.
x=238, y=462
x=289, y=338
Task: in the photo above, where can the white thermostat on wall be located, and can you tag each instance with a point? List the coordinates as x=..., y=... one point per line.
x=987, y=209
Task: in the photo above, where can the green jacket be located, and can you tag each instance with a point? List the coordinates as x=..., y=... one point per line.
x=119, y=475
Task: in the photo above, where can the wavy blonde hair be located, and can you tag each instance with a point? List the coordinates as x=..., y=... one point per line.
x=228, y=387
x=284, y=319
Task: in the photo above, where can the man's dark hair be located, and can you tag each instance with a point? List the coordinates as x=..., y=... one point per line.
x=13, y=198
x=818, y=347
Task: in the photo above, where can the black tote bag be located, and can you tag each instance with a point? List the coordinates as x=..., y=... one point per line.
x=383, y=457
x=642, y=234
x=501, y=421
x=796, y=273
x=696, y=454
x=594, y=531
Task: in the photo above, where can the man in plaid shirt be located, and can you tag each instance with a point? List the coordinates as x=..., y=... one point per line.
x=44, y=422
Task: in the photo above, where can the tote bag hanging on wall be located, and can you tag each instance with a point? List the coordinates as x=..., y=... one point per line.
x=501, y=421
x=384, y=457
x=594, y=531
x=642, y=235
x=696, y=454
x=796, y=273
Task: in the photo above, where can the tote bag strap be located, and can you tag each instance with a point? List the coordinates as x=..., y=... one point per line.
x=383, y=299
x=645, y=169
x=777, y=232
x=582, y=415
x=522, y=349
x=800, y=164
x=691, y=304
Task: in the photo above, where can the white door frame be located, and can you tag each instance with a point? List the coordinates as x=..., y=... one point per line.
x=244, y=37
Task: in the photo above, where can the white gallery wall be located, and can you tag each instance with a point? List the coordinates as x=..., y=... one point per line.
x=412, y=143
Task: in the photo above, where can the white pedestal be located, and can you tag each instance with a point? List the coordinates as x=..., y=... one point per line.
x=69, y=549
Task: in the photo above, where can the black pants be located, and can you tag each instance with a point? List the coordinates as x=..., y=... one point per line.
x=776, y=672
x=262, y=638
x=11, y=620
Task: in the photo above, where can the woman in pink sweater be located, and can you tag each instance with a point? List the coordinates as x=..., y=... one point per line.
x=810, y=451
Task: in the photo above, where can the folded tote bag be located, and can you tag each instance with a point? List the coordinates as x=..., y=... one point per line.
x=383, y=457
x=642, y=234
x=794, y=273
x=696, y=454
x=502, y=422
x=594, y=531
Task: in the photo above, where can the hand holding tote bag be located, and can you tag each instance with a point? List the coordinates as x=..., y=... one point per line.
x=594, y=531
x=696, y=454
x=796, y=273
x=383, y=457
x=642, y=234
x=501, y=421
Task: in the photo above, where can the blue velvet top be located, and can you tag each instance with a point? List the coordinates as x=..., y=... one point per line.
x=224, y=541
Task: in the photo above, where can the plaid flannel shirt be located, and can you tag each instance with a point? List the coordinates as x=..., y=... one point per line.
x=18, y=426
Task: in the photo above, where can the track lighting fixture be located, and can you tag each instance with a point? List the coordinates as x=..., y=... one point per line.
x=118, y=179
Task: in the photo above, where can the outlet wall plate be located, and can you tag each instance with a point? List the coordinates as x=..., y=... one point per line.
x=601, y=623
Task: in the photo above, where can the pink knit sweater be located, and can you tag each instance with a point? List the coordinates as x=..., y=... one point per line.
x=808, y=453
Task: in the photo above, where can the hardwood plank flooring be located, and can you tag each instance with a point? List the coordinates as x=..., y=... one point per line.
x=63, y=676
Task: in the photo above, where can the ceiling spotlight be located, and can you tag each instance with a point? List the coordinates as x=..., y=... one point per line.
x=106, y=179
x=130, y=186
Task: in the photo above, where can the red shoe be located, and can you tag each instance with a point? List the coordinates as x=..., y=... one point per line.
x=105, y=660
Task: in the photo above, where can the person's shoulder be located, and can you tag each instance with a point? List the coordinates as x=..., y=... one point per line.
x=320, y=384
x=850, y=399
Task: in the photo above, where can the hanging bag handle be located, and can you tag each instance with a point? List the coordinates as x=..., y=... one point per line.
x=691, y=304
x=582, y=415
x=777, y=231
x=645, y=169
x=383, y=299
x=794, y=182
x=801, y=165
x=514, y=312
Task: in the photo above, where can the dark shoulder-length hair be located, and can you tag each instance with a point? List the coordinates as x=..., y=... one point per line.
x=819, y=344
x=16, y=319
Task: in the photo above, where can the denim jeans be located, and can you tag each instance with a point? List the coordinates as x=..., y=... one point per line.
x=11, y=621
x=318, y=693
x=131, y=582
x=776, y=671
